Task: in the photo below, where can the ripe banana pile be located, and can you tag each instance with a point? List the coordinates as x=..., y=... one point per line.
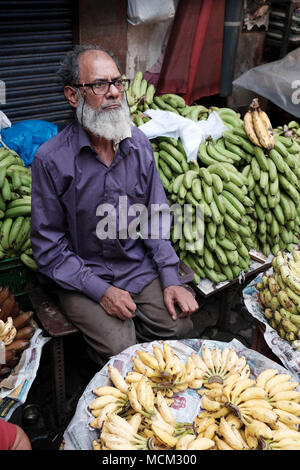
x=237, y=412
x=279, y=293
x=258, y=126
x=15, y=330
x=247, y=184
x=15, y=208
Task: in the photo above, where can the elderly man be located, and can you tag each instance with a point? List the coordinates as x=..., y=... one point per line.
x=118, y=290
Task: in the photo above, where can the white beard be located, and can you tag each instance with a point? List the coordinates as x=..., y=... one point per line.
x=114, y=124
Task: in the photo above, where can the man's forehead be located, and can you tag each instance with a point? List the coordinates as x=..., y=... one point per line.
x=96, y=64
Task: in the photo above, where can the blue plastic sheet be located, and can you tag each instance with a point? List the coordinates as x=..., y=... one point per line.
x=25, y=137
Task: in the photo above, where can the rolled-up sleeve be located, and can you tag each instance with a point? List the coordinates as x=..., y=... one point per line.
x=50, y=245
x=158, y=242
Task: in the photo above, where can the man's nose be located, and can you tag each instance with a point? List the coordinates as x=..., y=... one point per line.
x=112, y=91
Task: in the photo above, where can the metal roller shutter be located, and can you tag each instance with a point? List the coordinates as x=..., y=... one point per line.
x=34, y=35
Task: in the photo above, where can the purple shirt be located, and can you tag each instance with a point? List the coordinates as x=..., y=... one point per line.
x=69, y=181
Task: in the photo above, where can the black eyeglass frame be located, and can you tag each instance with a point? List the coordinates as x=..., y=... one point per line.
x=109, y=83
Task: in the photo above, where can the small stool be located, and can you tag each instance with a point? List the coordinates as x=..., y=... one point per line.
x=57, y=326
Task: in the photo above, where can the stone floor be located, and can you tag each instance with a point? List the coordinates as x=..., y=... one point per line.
x=209, y=323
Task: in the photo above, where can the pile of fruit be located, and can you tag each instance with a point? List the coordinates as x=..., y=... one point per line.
x=279, y=293
x=247, y=183
x=237, y=412
x=16, y=330
x=15, y=208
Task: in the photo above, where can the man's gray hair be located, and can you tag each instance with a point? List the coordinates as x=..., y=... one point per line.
x=69, y=70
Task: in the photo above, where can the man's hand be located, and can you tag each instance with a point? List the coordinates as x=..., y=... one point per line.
x=118, y=303
x=183, y=298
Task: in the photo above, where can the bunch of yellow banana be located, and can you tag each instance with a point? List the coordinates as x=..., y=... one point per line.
x=166, y=371
x=280, y=295
x=118, y=434
x=258, y=126
x=282, y=439
x=7, y=331
x=237, y=412
x=282, y=396
x=214, y=366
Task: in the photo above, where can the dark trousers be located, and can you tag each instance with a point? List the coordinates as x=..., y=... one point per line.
x=107, y=336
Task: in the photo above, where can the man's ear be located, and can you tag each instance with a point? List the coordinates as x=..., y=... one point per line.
x=71, y=96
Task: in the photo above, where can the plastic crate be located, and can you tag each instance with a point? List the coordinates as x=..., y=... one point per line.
x=15, y=275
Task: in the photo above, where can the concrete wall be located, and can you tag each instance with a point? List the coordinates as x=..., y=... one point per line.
x=249, y=55
x=104, y=22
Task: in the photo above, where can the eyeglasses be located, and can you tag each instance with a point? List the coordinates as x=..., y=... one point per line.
x=101, y=87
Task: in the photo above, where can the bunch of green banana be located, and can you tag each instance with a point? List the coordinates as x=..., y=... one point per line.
x=280, y=295
x=219, y=250
x=139, y=94
x=15, y=208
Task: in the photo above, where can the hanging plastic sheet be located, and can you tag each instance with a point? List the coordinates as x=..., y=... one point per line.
x=278, y=81
x=145, y=12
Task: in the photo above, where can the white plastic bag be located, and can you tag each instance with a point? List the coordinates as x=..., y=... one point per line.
x=4, y=121
x=145, y=11
x=191, y=133
x=277, y=81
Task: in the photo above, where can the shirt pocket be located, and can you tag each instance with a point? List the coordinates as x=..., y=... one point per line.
x=136, y=194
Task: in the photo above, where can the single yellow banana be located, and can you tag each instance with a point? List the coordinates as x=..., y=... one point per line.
x=203, y=422
x=262, y=414
x=133, y=377
x=217, y=359
x=164, y=409
x=283, y=387
x=199, y=363
x=211, y=430
x=166, y=439
x=264, y=376
x=133, y=399
x=210, y=405
x=287, y=417
x=251, y=440
x=287, y=395
x=102, y=401
x=148, y=359
x=229, y=436
x=258, y=428
x=289, y=406
x=159, y=357
x=117, y=379
x=135, y=421
x=105, y=411
x=221, y=444
x=108, y=390
x=279, y=378
x=183, y=441
x=201, y=443
x=252, y=393
x=249, y=128
x=207, y=357
x=239, y=387
x=142, y=368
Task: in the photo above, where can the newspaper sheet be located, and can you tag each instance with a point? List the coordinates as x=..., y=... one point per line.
x=289, y=357
x=79, y=435
x=14, y=389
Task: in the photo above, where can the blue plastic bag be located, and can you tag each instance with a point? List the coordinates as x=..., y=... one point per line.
x=25, y=137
